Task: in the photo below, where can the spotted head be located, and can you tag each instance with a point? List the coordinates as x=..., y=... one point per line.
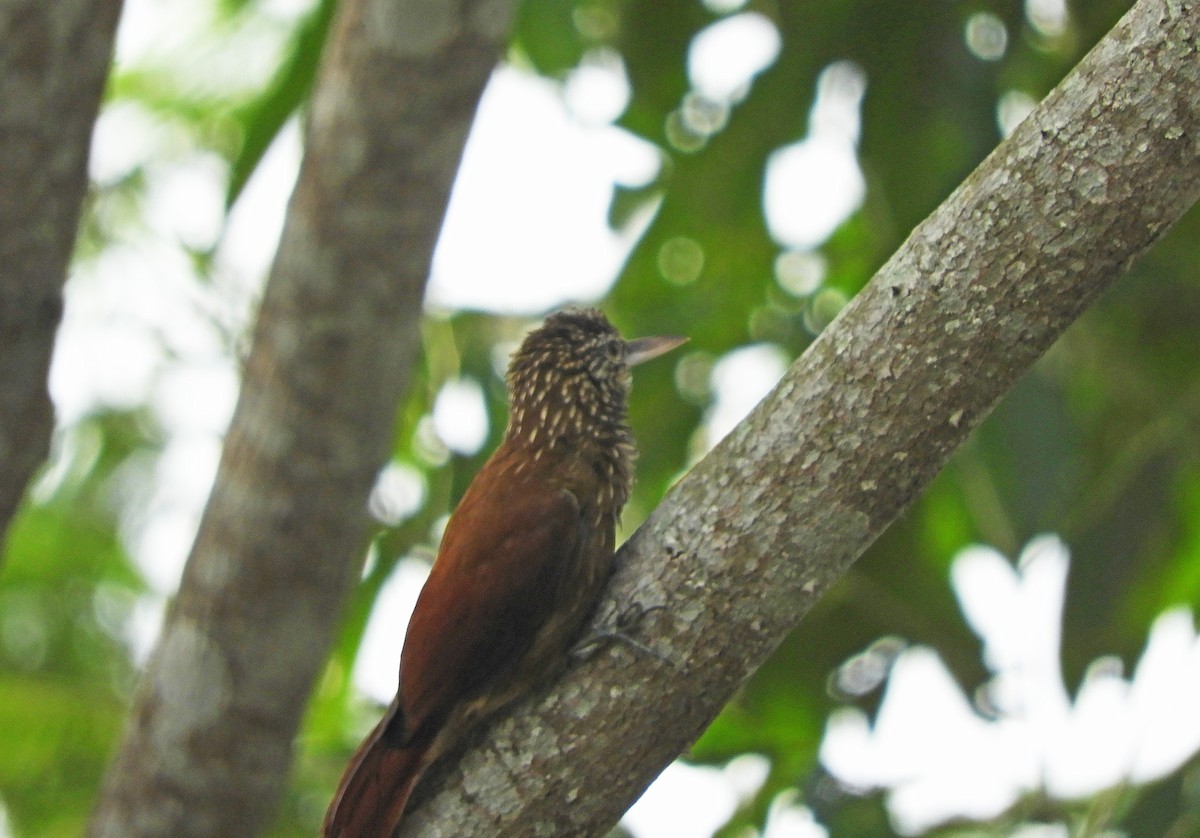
x=569, y=380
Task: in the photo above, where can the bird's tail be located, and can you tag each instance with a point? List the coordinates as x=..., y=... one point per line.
x=371, y=797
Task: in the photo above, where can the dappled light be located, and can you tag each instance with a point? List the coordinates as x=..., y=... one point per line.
x=1012, y=109
x=1049, y=17
x=597, y=91
x=730, y=172
x=460, y=416
x=726, y=56
x=723, y=60
x=800, y=272
x=399, y=491
x=681, y=260
x=941, y=756
x=812, y=186
x=688, y=800
x=987, y=37
x=526, y=227
x=379, y=653
x=740, y=380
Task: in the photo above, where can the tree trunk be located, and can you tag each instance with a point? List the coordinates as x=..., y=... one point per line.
x=54, y=59
x=209, y=741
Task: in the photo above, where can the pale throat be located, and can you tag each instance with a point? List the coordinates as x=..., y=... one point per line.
x=554, y=413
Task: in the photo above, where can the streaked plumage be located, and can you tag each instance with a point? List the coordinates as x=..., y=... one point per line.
x=521, y=566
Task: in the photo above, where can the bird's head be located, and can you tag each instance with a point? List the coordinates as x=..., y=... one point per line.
x=571, y=375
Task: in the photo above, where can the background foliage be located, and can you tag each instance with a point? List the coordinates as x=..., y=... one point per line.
x=1099, y=443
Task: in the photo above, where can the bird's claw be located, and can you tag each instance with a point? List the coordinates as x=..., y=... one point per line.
x=626, y=619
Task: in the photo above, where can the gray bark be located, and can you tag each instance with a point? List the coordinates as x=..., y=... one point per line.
x=54, y=59
x=745, y=544
x=209, y=740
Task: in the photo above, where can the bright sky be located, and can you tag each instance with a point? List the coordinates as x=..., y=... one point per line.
x=938, y=758
x=526, y=231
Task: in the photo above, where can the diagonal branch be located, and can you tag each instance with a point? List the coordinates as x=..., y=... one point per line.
x=209, y=741
x=745, y=544
x=54, y=58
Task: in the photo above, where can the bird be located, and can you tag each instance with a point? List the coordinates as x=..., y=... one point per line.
x=521, y=566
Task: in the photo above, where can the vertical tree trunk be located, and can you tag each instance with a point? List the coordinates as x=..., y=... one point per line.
x=209, y=740
x=54, y=59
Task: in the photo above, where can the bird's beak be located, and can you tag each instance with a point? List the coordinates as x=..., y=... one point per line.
x=643, y=349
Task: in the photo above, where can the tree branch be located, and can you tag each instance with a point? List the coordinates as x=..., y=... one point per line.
x=209, y=741
x=745, y=544
x=54, y=59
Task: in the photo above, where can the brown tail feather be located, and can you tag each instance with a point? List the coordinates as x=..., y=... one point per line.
x=370, y=799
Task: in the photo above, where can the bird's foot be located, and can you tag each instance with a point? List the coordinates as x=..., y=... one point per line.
x=617, y=631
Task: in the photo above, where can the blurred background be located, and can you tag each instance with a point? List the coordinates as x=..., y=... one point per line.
x=1016, y=656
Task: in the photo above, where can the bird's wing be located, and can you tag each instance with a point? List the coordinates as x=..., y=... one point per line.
x=494, y=583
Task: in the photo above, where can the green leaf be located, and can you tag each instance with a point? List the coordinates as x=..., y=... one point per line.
x=261, y=120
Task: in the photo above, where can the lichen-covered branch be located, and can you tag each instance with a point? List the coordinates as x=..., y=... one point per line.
x=744, y=544
x=209, y=741
x=54, y=58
